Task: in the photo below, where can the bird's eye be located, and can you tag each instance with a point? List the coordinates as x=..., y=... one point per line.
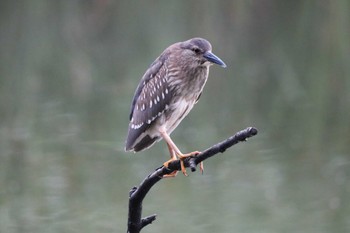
x=196, y=50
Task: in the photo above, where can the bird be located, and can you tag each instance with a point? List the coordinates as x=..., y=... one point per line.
x=166, y=93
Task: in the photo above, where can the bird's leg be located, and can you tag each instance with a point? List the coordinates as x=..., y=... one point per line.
x=166, y=164
x=177, y=152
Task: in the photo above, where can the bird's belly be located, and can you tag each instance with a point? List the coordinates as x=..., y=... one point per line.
x=178, y=111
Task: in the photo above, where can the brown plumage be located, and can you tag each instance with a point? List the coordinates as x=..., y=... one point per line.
x=166, y=94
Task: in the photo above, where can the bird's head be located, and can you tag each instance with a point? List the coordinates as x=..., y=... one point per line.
x=197, y=51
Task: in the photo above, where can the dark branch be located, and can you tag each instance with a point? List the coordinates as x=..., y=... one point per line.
x=148, y=220
x=137, y=194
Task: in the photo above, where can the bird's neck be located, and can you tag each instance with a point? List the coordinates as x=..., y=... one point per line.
x=194, y=81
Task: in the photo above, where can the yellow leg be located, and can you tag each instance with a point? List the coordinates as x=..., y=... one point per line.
x=172, y=158
x=175, y=152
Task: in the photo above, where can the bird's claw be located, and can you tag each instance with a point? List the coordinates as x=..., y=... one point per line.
x=182, y=158
x=166, y=164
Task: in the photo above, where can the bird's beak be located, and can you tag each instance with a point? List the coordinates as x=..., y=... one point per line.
x=214, y=59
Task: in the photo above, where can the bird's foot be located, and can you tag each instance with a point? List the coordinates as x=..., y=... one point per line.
x=182, y=157
x=166, y=164
x=201, y=167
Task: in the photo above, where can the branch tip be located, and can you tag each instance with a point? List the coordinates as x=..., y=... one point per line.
x=192, y=164
x=131, y=192
x=148, y=220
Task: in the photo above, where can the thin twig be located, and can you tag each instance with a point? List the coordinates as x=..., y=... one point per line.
x=137, y=194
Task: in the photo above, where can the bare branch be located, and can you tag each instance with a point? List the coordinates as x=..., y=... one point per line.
x=148, y=220
x=137, y=194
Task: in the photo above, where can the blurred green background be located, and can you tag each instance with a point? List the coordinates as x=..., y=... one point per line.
x=68, y=71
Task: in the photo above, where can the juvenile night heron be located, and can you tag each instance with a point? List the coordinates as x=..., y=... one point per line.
x=166, y=94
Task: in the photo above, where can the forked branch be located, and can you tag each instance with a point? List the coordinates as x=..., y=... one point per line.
x=137, y=194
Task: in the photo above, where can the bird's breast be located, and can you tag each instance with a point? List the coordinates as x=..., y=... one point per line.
x=176, y=113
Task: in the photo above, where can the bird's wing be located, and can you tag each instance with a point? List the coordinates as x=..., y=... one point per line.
x=151, y=99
